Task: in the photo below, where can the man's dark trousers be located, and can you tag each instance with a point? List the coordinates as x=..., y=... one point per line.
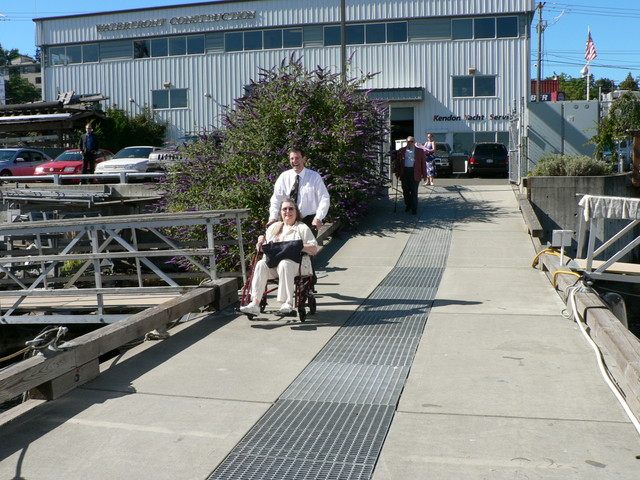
x=88, y=162
x=410, y=190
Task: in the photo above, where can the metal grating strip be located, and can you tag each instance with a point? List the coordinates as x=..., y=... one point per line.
x=370, y=350
x=331, y=422
x=299, y=440
x=347, y=383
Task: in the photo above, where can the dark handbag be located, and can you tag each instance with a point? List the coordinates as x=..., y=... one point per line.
x=274, y=252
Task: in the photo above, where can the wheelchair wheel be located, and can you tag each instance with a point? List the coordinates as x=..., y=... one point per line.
x=302, y=314
x=312, y=304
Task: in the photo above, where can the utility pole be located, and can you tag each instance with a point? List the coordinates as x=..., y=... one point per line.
x=343, y=41
x=540, y=29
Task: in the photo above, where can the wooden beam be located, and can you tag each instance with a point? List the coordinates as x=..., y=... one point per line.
x=80, y=352
x=530, y=217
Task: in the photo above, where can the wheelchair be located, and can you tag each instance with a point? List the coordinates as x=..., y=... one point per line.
x=304, y=298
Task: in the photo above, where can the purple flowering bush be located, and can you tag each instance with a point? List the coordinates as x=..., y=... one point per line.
x=340, y=129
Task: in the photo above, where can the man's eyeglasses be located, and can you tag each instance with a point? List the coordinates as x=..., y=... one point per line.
x=409, y=141
x=286, y=209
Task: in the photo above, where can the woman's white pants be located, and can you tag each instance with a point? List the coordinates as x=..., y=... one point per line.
x=286, y=271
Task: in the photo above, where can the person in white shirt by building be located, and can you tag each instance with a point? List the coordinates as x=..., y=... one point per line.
x=305, y=187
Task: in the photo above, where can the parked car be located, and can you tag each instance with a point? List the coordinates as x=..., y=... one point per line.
x=21, y=161
x=161, y=160
x=69, y=162
x=442, y=159
x=622, y=158
x=488, y=158
x=127, y=160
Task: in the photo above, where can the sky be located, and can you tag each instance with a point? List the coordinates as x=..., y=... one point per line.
x=565, y=28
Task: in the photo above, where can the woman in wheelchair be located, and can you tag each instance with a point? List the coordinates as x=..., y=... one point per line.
x=283, y=244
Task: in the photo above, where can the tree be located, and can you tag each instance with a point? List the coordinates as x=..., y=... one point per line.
x=624, y=115
x=629, y=83
x=604, y=85
x=576, y=88
x=7, y=55
x=118, y=130
x=573, y=88
x=338, y=126
x=20, y=90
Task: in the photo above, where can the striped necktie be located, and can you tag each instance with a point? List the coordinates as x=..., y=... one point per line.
x=294, y=190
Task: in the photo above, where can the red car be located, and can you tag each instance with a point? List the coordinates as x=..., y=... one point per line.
x=69, y=162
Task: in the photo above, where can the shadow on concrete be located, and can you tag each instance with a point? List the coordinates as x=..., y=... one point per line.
x=57, y=412
x=442, y=207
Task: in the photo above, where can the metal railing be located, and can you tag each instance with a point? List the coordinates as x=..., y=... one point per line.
x=90, y=242
x=58, y=179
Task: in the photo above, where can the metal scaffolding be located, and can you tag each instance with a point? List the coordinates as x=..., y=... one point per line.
x=93, y=242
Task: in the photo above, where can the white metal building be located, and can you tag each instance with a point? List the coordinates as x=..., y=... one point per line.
x=457, y=68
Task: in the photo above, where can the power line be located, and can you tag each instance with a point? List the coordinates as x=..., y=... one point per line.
x=607, y=11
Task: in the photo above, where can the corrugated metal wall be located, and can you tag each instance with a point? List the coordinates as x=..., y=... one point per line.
x=425, y=64
x=561, y=128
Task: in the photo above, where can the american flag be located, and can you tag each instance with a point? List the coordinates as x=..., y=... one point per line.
x=590, y=53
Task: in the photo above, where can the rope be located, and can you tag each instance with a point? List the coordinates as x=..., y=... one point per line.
x=46, y=339
x=49, y=337
x=15, y=354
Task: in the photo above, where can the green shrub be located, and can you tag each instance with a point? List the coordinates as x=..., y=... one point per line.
x=570, y=166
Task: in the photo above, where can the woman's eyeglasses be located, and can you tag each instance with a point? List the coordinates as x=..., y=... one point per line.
x=285, y=209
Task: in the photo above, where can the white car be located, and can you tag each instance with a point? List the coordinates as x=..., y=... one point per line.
x=127, y=160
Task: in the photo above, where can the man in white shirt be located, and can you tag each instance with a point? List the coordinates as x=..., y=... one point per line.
x=305, y=187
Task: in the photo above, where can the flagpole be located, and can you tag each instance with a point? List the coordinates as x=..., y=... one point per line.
x=588, y=61
x=588, y=79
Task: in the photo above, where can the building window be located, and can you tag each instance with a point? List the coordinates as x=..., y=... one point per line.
x=292, y=37
x=191, y=45
x=486, y=27
x=169, y=98
x=90, y=53
x=376, y=33
x=57, y=56
x=397, y=32
x=168, y=46
x=178, y=46
x=474, y=86
x=74, y=54
x=355, y=34
x=272, y=39
x=485, y=86
x=263, y=39
x=463, y=86
x=332, y=36
x=253, y=40
x=195, y=44
x=233, y=42
x=461, y=29
x=159, y=47
x=507, y=27
x=141, y=49
x=370, y=33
